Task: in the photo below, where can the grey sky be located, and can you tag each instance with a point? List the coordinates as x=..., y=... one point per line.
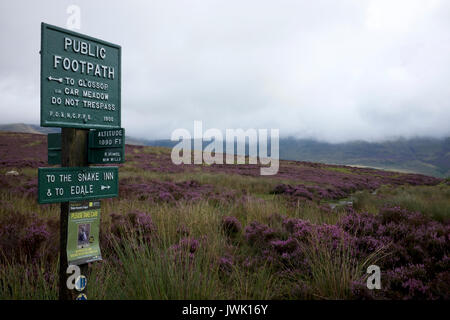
x=332, y=70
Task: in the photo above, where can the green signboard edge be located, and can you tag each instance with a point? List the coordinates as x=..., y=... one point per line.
x=42, y=77
x=54, y=148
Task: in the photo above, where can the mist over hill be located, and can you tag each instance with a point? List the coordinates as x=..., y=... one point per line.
x=428, y=156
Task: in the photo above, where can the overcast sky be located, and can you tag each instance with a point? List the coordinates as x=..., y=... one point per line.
x=331, y=70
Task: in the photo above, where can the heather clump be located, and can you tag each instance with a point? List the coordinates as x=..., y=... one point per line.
x=35, y=234
x=189, y=244
x=23, y=236
x=287, y=249
x=183, y=231
x=21, y=185
x=141, y=221
x=259, y=234
x=393, y=214
x=416, y=250
x=225, y=266
x=159, y=192
x=332, y=237
x=410, y=248
x=183, y=253
x=231, y=226
x=407, y=282
x=136, y=222
x=332, y=185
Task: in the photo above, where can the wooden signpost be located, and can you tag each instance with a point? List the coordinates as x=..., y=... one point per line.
x=80, y=90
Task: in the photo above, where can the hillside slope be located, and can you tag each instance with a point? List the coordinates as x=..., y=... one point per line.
x=422, y=155
x=419, y=155
x=330, y=181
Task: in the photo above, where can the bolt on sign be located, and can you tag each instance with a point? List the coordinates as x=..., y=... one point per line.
x=80, y=80
x=83, y=233
x=77, y=183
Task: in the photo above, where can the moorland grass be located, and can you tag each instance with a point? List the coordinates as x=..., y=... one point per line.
x=133, y=269
x=433, y=201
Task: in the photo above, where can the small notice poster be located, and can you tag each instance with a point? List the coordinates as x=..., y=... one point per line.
x=83, y=233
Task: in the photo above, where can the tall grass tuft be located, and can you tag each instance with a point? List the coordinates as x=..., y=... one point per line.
x=333, y=270
x=159, y=271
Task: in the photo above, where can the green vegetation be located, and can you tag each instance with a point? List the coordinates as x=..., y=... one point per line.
x=152, y=272
x=433, y=201
x=206, y=232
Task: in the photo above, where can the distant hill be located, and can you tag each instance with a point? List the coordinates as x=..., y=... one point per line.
x=420, y=155
x=28, y=128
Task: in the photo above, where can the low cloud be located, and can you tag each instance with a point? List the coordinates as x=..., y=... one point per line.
x=331, y=70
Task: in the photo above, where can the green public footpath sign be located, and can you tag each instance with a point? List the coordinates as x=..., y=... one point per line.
x=83, y=232
x=80, y=80
x=77, y=183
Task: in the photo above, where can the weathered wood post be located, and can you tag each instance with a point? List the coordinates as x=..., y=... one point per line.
x=74, y=153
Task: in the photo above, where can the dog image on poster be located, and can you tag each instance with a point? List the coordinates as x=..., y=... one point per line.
x=83, y=235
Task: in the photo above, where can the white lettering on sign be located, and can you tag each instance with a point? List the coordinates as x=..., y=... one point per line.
x=107, y=176
x=82, y=190
x=110, y=133
x=92, y=84
x=110, y=142
x=99, y=105
x=95, y=95
x=84, y=48
x=71, y=91
x=69, y=115
x=65, y=177
x=83, y=67
x=88, y=176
